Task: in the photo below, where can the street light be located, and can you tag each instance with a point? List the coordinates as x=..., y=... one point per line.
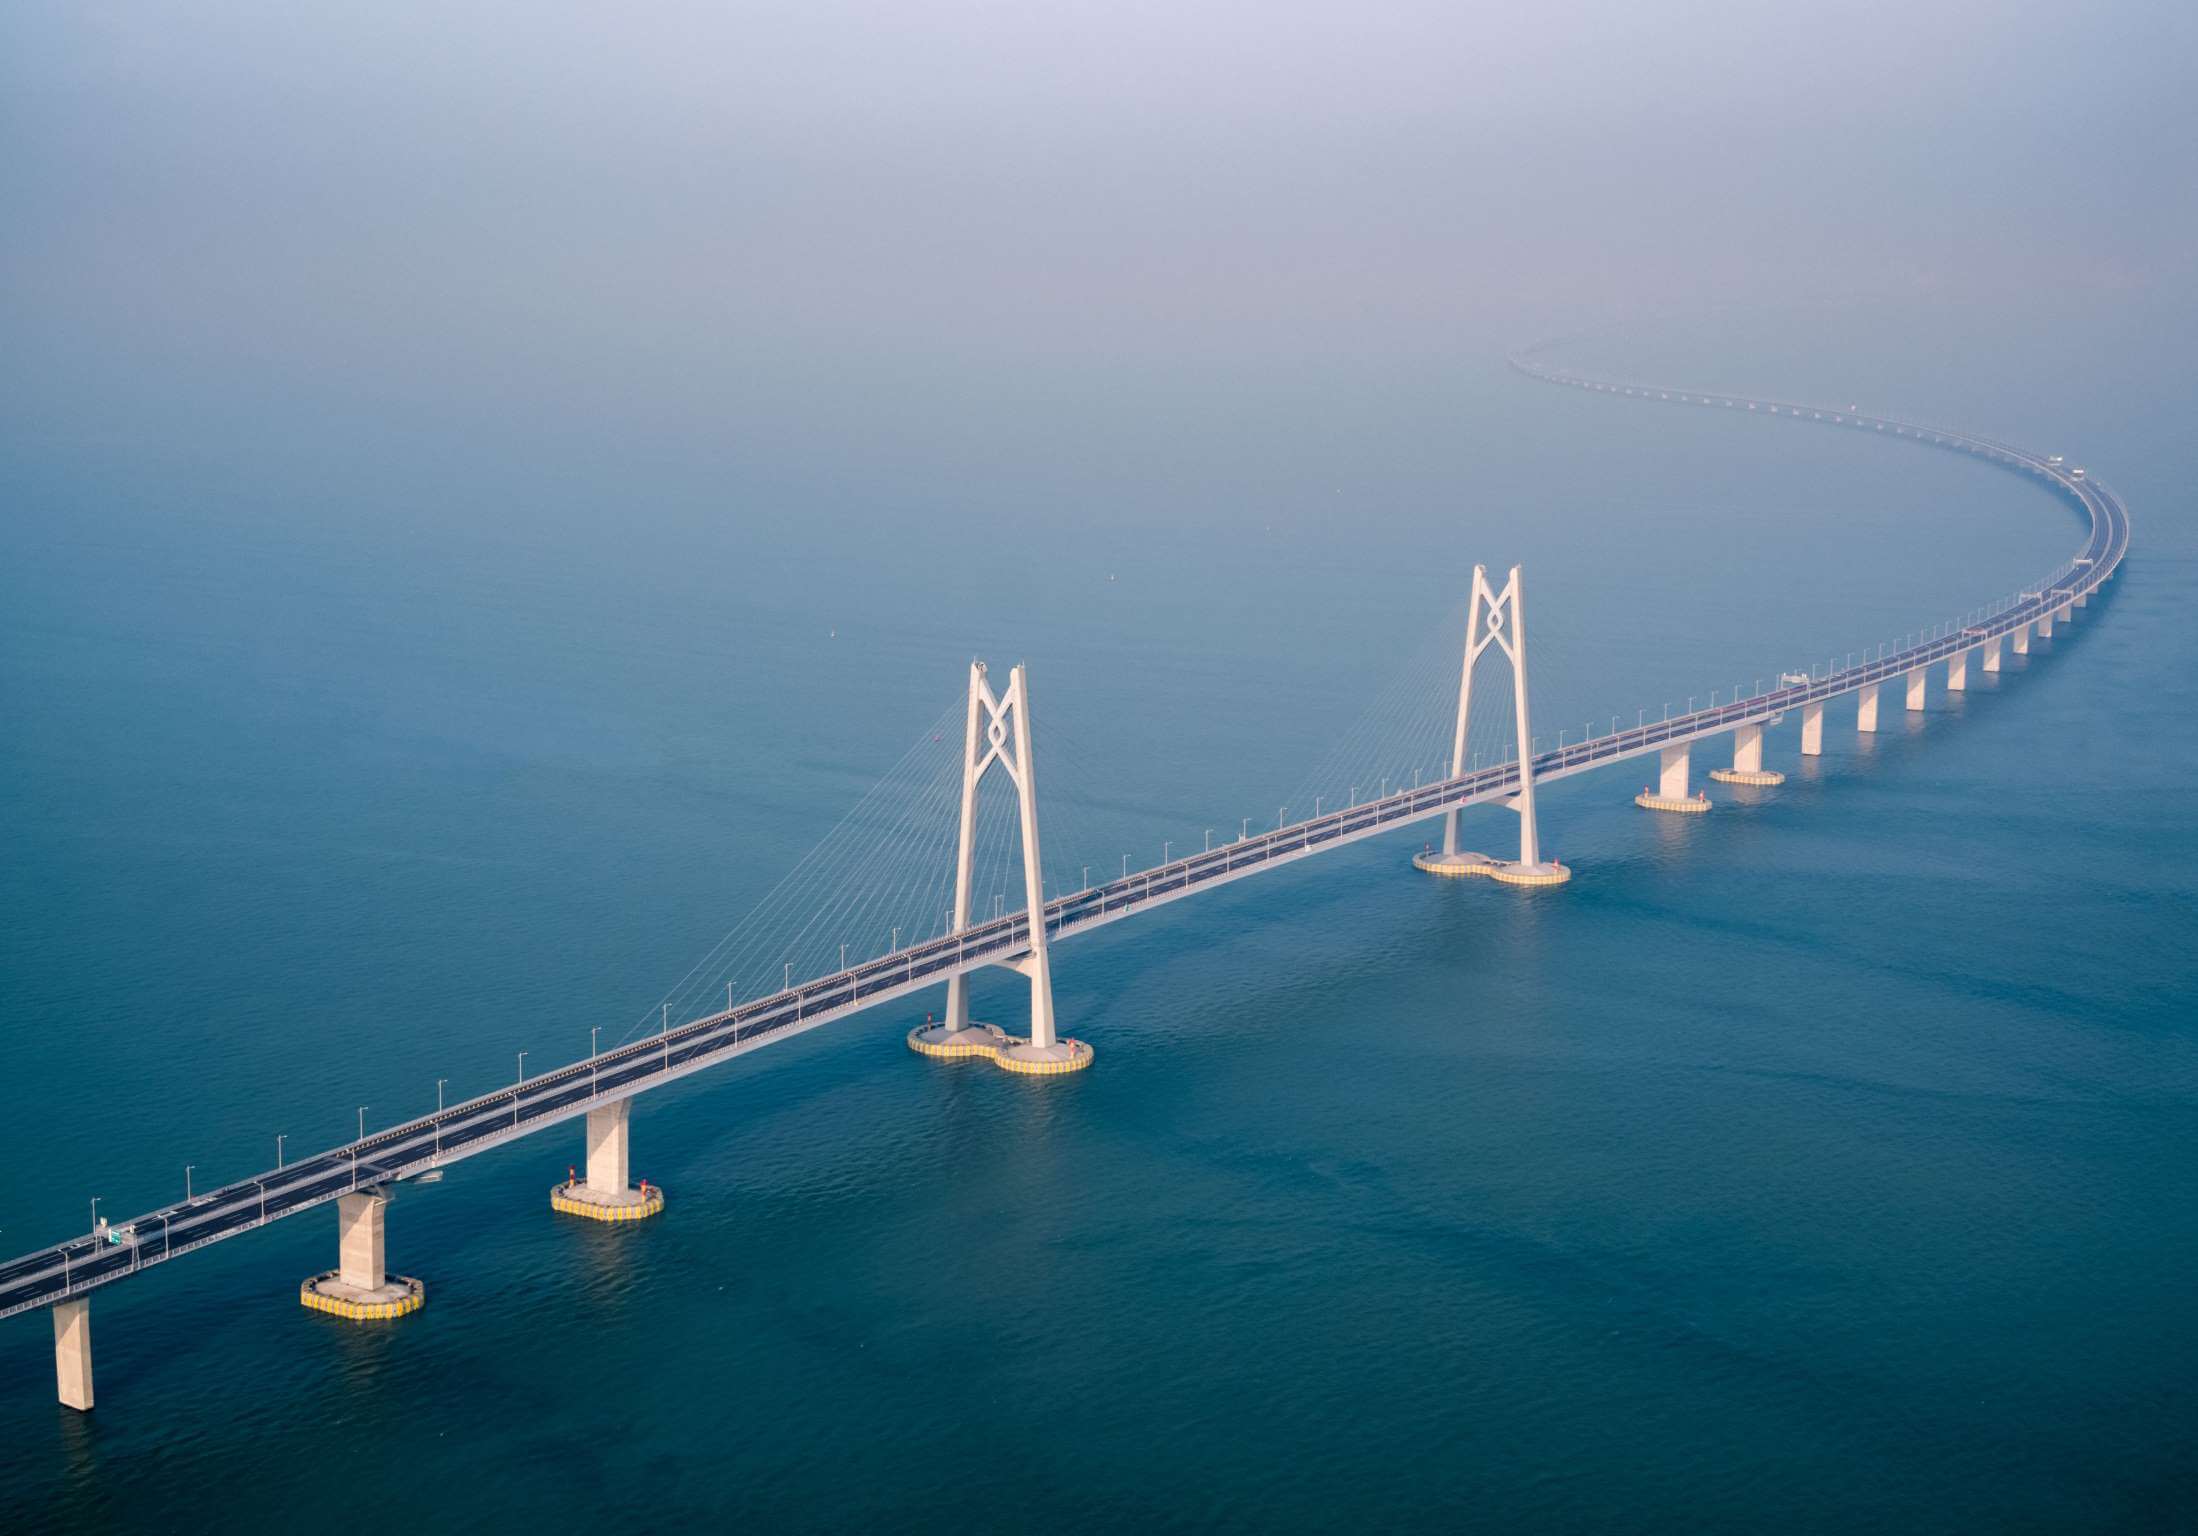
x=1125, y=866
x=1244, y=829
x=95, y=1212
x=522, y=1066
x=187, y=1167
x=1165, y=845
x=362, y=1122
x=1209, y=841
x=278, y=1149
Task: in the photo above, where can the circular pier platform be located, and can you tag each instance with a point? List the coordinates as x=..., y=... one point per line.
x=630, y=1204
x=1761, y=778
x=398, y=1295
x=1010, y=1053
x=1693, y=805
x=1505, y=871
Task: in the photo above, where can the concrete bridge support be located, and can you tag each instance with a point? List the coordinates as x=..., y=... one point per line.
x=1670, y=793
x=1812, y=729
x=997, y=731
x=2045, y=625
x=360, y=1287
x=1915, y=691
x=1957, y=672
x=2022, y=640
x=2068, y=612
x=605, y=1194
x=1747, y=761
x=1486, y=613
x=72, y=1352
x=1866, y=708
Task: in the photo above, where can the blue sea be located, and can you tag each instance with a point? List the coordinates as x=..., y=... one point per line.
x=1828, y=1163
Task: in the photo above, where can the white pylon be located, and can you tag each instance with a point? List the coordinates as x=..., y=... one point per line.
x=998, y=731
x=1498, y=619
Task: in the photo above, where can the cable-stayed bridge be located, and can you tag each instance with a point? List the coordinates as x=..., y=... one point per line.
x=989, y=845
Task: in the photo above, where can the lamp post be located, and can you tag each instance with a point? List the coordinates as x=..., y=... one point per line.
x=592, y=1053
x=522, y=1066
x=187, y=1167
x=362, y=1122
x=278, y=1151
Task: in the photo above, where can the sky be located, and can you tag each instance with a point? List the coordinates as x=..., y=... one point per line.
x=652, y=219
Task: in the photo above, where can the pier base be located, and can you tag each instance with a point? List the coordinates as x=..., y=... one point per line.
x=1504, y=871
x=2022, y=640
x=1957, y=672
x=1866, y=708
x=1010, y=1053
x=72, y=1352
x=606, y=1194
x=1812, y=729
x=2045, y=625
x=360, y=1288
x=1992, y=654
x=1915, y=691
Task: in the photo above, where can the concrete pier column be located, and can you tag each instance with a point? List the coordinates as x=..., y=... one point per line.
x=2022, y=641
x=1812, y=729
x=607, y=1148
x=1957, y=672
x=1915, y=691
x=1747, y=749
x=1992, y=654
x=2045, y=625
x=1866, y=709
x=359, y=1251
x=2083, y=600
x=1671, y=778
x=72, y=1352
x=2068, y=612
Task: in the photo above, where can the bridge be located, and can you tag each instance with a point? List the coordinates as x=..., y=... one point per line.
x=601, y=1087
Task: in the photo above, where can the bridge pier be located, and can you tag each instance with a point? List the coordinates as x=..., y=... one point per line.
x=1003, y=739
x=1812, y=729
x=2045, y=625
x=1957, y=672
x=360, y=1287
x=604, y=1195
x=2068, y=612
x=1670, y=793
x=1866, y=708
x=72, y=1352
x=1484, y=626
x=2022, y=640
x=1915, y=691
x=1747, y=761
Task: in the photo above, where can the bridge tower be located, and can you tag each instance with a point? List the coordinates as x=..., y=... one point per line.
x=997, y=731
x=1497, y=619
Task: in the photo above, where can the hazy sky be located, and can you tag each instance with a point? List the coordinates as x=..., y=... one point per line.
x=662, y=216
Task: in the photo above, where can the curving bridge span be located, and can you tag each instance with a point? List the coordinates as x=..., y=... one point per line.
x=602, y=1087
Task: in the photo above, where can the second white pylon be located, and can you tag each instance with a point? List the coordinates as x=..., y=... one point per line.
x=1497, y=619
x=998, y=731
